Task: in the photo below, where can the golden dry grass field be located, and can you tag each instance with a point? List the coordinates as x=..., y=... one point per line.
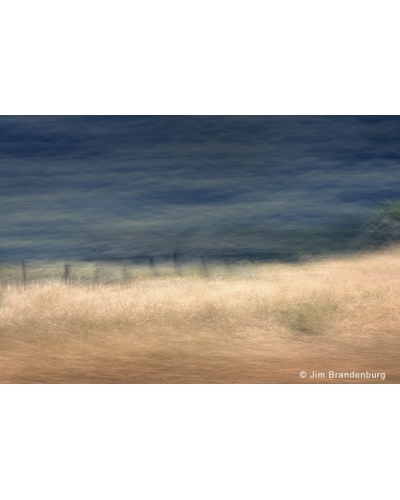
x=253, y=323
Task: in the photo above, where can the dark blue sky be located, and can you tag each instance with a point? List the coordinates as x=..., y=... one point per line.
x=118, y=186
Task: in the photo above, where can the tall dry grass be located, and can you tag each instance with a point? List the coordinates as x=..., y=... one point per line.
x=259, y=323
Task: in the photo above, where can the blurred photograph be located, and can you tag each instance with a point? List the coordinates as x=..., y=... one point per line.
x=199, y=249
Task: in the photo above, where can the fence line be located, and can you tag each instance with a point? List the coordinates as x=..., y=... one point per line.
x=110, y=271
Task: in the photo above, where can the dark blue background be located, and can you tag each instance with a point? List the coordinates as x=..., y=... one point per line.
x=222, y=186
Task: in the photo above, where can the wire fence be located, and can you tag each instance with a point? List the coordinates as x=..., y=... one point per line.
x=124, y=271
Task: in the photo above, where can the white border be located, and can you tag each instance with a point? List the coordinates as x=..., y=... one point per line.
x=198, y=58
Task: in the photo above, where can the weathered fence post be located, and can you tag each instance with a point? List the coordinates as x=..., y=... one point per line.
x=125, y=273
x=23, y=272
x=67, y=269
x=151, y=264
x=96, y=274
x=176, y=266
x=203, y=266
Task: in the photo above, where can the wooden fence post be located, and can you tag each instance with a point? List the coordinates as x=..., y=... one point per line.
x=125, y=273
x=23, y=272
x=176, y=266
x=151, y=264
x=67, y=268
x=96, y=274
x=203, y=265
